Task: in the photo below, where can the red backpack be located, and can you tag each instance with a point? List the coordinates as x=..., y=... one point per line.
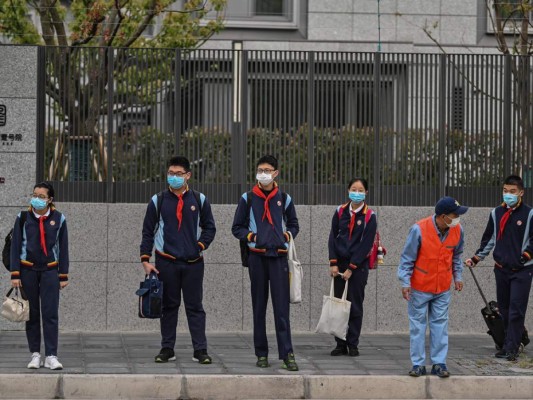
x=378, y=251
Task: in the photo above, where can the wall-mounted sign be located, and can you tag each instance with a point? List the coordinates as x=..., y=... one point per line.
x=9, y=139
x=3, y=115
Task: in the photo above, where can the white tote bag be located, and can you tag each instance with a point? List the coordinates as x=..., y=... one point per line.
x=16, y=308
x=295, y=273
x=335, y=314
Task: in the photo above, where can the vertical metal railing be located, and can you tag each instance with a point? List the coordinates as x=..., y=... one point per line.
x=417, y=126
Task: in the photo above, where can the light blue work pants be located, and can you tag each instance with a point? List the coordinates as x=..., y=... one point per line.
x=433, y=308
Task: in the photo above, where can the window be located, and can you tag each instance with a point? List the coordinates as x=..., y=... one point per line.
x=270, y=7
x=263, y=14
x=512, y=14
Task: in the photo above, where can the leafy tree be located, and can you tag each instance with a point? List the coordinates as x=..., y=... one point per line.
x=78, y=79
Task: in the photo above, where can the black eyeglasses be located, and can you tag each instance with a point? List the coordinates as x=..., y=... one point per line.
x=180, y=174
x=41, y=196
x=265, y=171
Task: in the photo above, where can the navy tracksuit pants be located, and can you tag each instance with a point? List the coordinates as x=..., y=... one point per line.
x=178, y=277
x=42, y=290
x=275, y=270
x=356, y=295
x=512, y=293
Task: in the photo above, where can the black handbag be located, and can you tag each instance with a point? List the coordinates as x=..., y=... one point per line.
x=150, y=297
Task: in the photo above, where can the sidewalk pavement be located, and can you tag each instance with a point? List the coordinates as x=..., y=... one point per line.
x=121, y=362
x=233, y=353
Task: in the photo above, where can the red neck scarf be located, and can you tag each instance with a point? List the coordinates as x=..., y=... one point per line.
x=42, y=219
x=352, y=219
x=352, y=223
x=258, y=192
x=503, y=222
x=179, y=209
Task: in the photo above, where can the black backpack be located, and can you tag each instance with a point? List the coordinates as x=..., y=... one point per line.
x=245, y=250
x=6, y=251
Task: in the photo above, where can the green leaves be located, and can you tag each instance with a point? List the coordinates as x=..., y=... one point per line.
x=14, y=23
x=118, y=23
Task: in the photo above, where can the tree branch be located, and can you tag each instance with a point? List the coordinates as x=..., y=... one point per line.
x=59, y=25
x=46, y=24
x=428, y=33
x=152, y=12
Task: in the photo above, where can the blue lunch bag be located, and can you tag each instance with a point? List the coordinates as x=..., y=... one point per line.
x=150, y=297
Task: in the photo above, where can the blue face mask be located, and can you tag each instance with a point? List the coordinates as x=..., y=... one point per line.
x=38, y=204
x=357, y=197
x=175, y=182
x=510, y=199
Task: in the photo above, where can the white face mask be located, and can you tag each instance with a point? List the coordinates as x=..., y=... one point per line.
x=454, y=222
x=264, y=179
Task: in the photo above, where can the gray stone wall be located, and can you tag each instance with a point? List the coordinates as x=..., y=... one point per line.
x=105, y=271
x=458, y=26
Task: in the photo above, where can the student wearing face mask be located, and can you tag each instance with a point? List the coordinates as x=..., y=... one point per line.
x=350, y=240
x=430, y=261
x=509, y=232
x=184, y=229
x=265, y=226
x=39, y=264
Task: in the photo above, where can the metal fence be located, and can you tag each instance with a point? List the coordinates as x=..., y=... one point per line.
x=417, y=126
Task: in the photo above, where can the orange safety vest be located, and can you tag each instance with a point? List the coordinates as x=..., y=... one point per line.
x=433, y=266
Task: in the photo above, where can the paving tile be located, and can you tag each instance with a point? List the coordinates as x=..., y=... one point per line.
x=105, y=370
x=132, y=353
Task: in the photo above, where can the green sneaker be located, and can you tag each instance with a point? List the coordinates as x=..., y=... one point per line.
x=289, y=363
x=262, y=362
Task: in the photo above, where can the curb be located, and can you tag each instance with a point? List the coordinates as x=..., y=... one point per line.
x=70, y=386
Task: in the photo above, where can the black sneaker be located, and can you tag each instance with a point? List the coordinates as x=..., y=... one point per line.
x=202, y=357
x=512, y=356
x=340, y=350
x=501, y=353
x=353, y=351
x=289, y=363
x=262, y=362
x=417, y=370
x=165, y=355
x=440, y=370
x=525, y=338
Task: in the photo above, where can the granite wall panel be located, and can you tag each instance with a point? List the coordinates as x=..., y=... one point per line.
x=18, y=170
x=87, y=226
x=84, y=302
x=18, y=70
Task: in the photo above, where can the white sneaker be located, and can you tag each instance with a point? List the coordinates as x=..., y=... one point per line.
x=35, y=362
x=52, y=363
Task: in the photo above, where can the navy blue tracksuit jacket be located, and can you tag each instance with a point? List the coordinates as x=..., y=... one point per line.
x=26, y=248
x=196, y=233
x=263, y=238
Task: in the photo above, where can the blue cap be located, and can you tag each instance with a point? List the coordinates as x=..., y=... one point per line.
x=448, y=205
